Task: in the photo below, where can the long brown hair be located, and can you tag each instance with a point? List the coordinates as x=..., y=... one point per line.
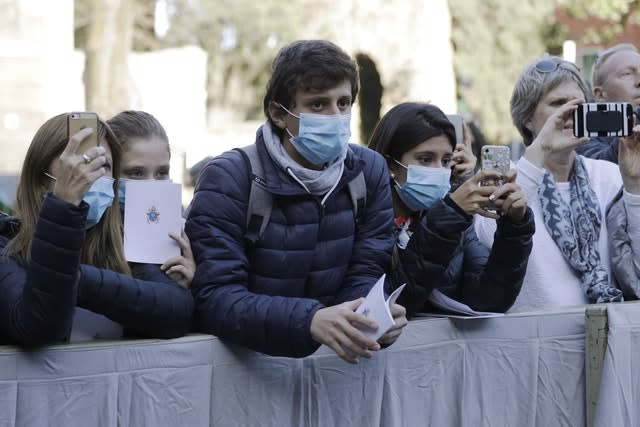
x=103, y=246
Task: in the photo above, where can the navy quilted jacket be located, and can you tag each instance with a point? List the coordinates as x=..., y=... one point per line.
x=444, y=253
x=263, y=296
x=37, y=299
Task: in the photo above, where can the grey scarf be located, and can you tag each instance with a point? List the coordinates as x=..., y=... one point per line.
x=316, y=182
x=576, y=230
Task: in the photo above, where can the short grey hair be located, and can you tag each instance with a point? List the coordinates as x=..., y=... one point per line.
x=597, y=76
x=533, y=84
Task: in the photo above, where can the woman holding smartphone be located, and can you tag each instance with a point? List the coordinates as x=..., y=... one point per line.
x=436, y=246
x=64, y=247
x=569, y=194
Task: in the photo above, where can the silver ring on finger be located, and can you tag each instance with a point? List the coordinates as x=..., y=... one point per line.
x=86, y=158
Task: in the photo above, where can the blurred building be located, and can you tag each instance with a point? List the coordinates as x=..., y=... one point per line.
x=586, y=53
x=39, y=72
x=41, y=75
x=411, y=45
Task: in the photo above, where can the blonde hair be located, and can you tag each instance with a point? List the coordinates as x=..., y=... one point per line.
x=103, y=246
x=131, y=124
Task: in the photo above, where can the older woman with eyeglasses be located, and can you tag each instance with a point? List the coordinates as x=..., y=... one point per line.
x=569, y=194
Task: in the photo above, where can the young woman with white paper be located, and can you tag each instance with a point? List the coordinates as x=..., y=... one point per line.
x=62, y=254
x=146, y=156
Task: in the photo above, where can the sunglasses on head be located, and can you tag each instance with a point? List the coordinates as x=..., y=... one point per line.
x=549, y=65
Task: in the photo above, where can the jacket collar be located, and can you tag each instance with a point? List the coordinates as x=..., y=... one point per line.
x=279, y=182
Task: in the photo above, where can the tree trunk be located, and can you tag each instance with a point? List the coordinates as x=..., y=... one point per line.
x=106, y=75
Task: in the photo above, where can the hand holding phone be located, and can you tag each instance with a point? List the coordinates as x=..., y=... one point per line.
x=496, y=158
x=75, y=173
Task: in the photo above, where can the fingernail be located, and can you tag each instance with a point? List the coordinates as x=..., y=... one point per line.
x=492, y=197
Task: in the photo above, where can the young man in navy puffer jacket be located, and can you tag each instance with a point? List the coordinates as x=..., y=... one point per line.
x=299, y=284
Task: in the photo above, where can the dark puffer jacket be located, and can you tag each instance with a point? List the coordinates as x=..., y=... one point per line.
x=264, y=296
x=624, y=273
x=38, y=298
x=444, y=253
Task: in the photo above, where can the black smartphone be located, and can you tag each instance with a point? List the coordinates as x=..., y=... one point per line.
x=603, y=119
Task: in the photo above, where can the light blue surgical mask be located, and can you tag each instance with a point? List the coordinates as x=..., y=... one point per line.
x=99, y=198
x=322, y=138
x=424, y=186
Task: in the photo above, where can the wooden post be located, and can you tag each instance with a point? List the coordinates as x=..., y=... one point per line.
x=596, y=329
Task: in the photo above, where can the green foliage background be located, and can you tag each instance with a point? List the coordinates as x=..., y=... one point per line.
x=493, y=40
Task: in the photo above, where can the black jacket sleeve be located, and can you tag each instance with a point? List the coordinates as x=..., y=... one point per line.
x=38, y=297
x=150, y=305
x=444, y=253
x=493, y=283
x=423, y=264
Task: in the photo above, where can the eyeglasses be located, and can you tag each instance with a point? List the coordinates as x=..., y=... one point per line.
x=549, y=65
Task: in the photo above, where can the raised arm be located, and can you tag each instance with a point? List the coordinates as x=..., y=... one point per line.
x=424, y=264
x=492, y=283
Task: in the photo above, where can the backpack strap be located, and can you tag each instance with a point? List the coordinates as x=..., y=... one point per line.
x=260, y=200
x=358, y=193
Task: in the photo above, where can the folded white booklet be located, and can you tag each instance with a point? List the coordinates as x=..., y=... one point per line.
x=152, y=209
x=457, y=308
x=378, y=309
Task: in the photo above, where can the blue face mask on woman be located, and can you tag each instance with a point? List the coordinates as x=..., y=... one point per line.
x=99, y=198
x=321, y=138
x=424, y=186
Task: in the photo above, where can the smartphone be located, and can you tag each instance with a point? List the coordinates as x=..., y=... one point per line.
x=495, y=157
x=603, y=119
x=77, y=121
x=456, y=121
